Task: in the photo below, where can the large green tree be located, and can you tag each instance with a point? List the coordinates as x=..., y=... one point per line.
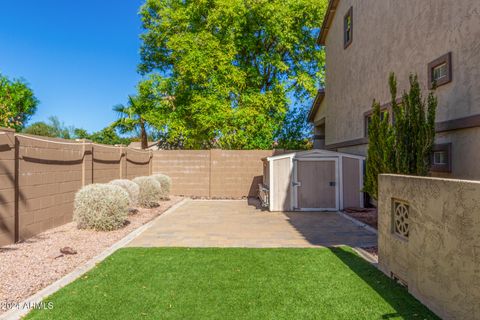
x=223, y=72
x=17, y=103
x=52, y=128
x=296, y=132
x=107, y=135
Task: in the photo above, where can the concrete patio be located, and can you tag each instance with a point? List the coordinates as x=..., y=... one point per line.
x=237, y=223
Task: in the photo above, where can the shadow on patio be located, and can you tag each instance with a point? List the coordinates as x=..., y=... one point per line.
x=325, y=228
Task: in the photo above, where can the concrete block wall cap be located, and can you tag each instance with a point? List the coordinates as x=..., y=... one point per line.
x=48, y=139
x=403, y=176
x=7, y=129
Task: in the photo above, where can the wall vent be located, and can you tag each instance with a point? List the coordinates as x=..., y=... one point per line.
x=401, y=213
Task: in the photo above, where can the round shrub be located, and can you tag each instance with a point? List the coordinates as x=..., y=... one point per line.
x=100, y=207
x=150, y=191
x=131, y=187
x=165, y=182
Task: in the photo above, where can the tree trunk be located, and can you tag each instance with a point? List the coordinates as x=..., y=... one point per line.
x=143, y=135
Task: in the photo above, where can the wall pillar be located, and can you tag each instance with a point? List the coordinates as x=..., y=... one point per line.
x=87, y=165
x=150, y=163
x=8, y=187
x=123, y=161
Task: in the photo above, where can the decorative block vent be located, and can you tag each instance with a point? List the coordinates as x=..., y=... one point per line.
x=401, y=212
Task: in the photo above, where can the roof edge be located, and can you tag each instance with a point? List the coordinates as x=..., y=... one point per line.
x=327, y=21
x=316, y=104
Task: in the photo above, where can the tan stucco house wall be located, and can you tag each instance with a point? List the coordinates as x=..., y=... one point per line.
x=403, y=37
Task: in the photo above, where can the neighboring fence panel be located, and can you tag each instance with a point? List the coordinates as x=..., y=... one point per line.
x=236, y=174
x=429, y=238
x=7, y=186
x=212, y=173
x=39, y=178
x=106, y=163
x=49, y=174
x=189, y=170
x=138, y=163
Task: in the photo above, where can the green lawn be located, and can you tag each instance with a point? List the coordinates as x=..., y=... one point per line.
x=181, y=283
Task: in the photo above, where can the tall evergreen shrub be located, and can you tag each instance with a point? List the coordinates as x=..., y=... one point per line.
x=403, y=143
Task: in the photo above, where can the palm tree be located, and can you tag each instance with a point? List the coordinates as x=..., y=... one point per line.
x=131, y=118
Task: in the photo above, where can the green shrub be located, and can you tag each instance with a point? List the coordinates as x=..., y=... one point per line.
x=150, y=191
x=165, y=182
x=100, y=207
x=402, y=146
x=131, y=187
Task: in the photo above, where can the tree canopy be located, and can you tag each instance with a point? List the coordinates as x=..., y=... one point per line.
x=107, y=135
x=17, y=103
x=55, y=128
x=132, y=117
x=223, y=72
x=52, y=128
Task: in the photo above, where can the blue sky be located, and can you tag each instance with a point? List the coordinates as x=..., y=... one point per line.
x=79, y=57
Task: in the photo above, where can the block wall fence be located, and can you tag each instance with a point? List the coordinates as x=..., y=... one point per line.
x=39, y=177
x=213, y=173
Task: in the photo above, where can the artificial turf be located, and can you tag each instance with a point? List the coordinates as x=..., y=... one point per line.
x=233, y=283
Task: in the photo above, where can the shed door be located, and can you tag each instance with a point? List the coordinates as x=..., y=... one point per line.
x=316, y=184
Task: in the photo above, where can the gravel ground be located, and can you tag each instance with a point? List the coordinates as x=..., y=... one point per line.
x=366, y=215
x=372, y=250
x=32, y=265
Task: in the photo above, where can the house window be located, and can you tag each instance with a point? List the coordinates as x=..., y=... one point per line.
x=348, y=28
x=441, y=158
x=440, y=71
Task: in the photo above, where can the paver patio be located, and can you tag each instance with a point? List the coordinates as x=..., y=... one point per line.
x=236, y=223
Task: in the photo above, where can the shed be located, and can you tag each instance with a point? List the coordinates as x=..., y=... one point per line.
x=314, y=180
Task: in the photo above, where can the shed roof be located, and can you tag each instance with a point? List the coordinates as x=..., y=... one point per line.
x=315, y=153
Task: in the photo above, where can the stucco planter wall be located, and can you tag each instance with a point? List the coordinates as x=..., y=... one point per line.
x=439, y=257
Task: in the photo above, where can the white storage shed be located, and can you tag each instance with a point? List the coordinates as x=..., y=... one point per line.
x=314, y=180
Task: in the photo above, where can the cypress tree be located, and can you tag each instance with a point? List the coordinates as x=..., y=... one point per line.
x=404, y=144
x=380, y=156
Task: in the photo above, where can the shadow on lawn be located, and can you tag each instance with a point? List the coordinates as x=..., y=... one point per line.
x=406, y=306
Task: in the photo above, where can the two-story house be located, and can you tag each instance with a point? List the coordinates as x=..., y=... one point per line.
x=365, y=40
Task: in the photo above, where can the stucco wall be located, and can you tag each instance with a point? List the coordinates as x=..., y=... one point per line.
x=440, y=260
x=465, y=153
x=400, y=36
x=359, y=150
x=403, y=37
